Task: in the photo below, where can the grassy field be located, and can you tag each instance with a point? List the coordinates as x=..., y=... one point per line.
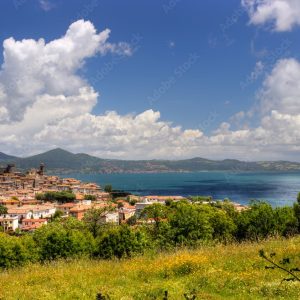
x=220, y=272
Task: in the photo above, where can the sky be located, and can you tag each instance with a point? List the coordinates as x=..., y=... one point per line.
x=151, y=79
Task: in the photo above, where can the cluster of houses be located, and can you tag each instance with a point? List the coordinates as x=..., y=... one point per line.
x=25, y=212
x=18, y=193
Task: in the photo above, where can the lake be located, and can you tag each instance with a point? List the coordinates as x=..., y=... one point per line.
x=277, y=188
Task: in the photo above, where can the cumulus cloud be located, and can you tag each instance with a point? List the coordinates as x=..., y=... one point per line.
x=281, y=89
x=277, y=135
x=282, y=14
x=44, y=103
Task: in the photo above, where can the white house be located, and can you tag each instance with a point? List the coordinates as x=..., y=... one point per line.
x=42, y=211
x=141, y=205
x=32, y=211
x=112, y=217
x=21, y=212
x=9, y=222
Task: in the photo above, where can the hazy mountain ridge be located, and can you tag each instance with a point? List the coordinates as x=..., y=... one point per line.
x=62, y=161
x=5, y=157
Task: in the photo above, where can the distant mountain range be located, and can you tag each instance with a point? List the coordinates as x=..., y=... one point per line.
x=62, y=161
x=4, y=157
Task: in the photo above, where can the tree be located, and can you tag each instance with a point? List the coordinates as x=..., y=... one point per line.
x=90, y=197
x=93, y=219
x=120, y=242
x=258, y=222
x=120, y=204
x=223, y=225
x=189, y=224
x=57, y=215
x=63, y=239
x=286, y=221
x=155, y=211
x=3, y=210
x=16, y=251
x=61, y=197
x=132, y=220
x=201, y=199
x=39, y=196
x=297, y=211
x=108, y=188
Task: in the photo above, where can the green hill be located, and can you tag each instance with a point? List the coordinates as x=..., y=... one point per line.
x=6, y=158
x=62, y=161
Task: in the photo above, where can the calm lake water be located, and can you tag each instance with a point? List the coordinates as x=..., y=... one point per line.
x=277, y=188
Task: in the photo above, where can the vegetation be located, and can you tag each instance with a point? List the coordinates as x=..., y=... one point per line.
x=90, y=197
x=179, y=225
x=61, y=197
x=93, y=219
x=200, y=198
x=120, y=242
x=108, y=188
x=161, y=227
x=3, y=210
x=233, y=271
x=284, y=265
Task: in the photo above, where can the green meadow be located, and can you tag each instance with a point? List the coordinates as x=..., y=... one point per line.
x=234, y=271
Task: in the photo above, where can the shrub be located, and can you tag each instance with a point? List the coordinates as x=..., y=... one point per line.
x=120, y=242
x=16, y=251
x=286, y=221
x=63, y=240
x=61, y=197
x=258, y=222
x=189, y=224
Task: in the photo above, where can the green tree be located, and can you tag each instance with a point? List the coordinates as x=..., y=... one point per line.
x=90, y=197
x=61, y=197
x=120, y=242
x=200, y=199
x=223, y=225
x=16, y=251
x=132, y=220
x=108, y=188
x=155, y=211
x=93, y=219
x=3, y=210
x=63, y=240
x=286, y=221
x=189, y=224
x=258, y=222
x=297, y=210
x=57, y=215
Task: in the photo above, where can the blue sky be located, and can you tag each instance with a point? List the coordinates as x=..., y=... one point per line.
x=191, y=60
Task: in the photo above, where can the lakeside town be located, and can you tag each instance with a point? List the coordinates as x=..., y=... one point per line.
x=25, y=208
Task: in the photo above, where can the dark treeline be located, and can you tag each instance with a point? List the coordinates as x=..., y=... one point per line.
x=159, y=227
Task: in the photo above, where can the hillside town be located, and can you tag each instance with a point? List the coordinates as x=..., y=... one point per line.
x=25, y=211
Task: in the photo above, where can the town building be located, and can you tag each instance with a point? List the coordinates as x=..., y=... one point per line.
x=9, y=223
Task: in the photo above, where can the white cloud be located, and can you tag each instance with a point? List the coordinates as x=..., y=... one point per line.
x=34, y=69
x=44, y=103
x=277, y=136
x=282, y=14
x=281, y=89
